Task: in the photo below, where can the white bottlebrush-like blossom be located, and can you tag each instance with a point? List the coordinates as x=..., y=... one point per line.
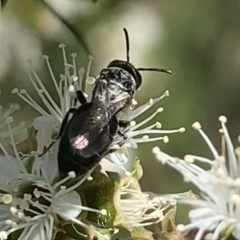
x=73, y=79
x=70, y=81
x=218, y=209
x=31, y=198
x=136, y=208
x=136, y=133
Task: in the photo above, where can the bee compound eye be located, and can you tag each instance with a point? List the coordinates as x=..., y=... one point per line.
x=128, y=84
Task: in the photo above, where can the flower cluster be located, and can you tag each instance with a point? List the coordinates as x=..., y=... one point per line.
x=30, y=200
x=216, y=214
x=37, y=204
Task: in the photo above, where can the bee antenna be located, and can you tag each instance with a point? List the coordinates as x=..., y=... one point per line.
x=155, y=69
x=127, y=43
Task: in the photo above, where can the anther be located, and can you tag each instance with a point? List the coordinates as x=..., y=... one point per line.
x=45, y=57
x=167, y=93
x=161, y=109
x=132, y=123
x=20, y=215
x=62, y=45
x=165, y=139
x=71, y=88
x=150, y=101
x=182, y=129
x=104, y=212
x=90, y=178
x=3, y=235
x=156, y=150
x=158, y=125
x=72, y=174
x=9, y=120
x=180, y=227
x=222, y=119
x=23, y=91
x=90, y=57
x=8, y=222
x=91, y=80
x=13, y=210
x=220, y=130
x=15, y=90
x=134, y=102
x=196, y=126
x=7, y=198
x=74, y=78
x=237, y=151
x=189, y=158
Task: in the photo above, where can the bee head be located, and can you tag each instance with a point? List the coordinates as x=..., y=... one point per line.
x=128, y=67
x=120, y=80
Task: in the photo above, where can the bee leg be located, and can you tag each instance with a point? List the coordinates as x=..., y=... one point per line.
x=80, y=97
x=111, y=151
x=121, y=133
x=62, y=128
x=65, y=121
x=121, y=143
x=123, y=123
x=46, y=150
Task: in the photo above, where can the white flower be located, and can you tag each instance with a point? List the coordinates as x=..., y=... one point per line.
x=136, y=133
x=219, y=205
x=65, y=87
x=136, y=208
x=74, y=79
x=31, y=199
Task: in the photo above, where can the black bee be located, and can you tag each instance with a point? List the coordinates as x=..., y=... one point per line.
x=86, y=138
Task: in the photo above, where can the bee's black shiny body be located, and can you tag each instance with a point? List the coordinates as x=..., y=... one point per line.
x=87, y=137
x=82, y=159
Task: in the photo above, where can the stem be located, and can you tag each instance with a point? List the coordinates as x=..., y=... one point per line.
x=78, y=35
x=3, y=3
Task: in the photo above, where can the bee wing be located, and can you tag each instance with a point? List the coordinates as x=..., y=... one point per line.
x=89, y=132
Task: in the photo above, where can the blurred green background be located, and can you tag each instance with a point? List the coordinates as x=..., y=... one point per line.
x=198, y=40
